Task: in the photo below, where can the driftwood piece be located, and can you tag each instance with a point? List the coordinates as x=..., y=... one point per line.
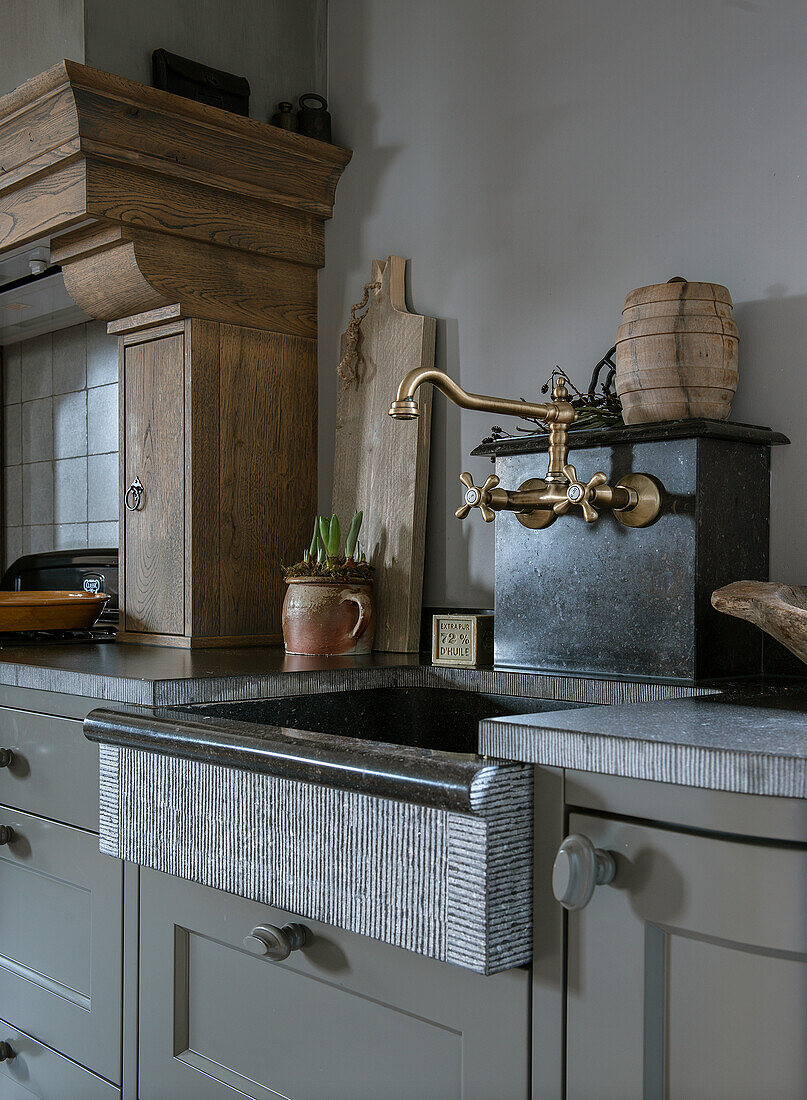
x=778, y=609
x=381, y=465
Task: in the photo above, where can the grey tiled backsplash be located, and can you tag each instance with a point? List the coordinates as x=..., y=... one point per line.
x=60, y=441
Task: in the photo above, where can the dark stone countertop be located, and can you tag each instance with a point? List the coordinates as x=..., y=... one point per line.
x=157, y=675
x=165, y=676
x=750, y=740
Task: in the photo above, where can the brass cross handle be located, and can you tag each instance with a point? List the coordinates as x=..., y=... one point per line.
x=477, y=497
x=579, y=493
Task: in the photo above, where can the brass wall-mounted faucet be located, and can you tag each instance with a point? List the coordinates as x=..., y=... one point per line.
x=635, y=500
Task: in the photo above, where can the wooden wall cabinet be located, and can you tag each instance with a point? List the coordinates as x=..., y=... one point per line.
x=197, y=235
x=219, y=428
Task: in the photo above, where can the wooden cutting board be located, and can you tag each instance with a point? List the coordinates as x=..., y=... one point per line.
x=381, y=465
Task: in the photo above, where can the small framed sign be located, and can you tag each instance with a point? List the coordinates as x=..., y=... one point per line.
x=462, y=640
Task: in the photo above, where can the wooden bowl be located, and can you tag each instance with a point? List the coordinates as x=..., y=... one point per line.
x=50, y=610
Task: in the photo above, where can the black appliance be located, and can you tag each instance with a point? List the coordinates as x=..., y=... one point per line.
x=66, y=570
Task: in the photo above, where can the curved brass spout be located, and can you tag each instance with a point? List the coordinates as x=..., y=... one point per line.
x=404, y=407
x=635, y=500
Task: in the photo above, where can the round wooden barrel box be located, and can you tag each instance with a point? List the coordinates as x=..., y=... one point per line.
x=676, y=352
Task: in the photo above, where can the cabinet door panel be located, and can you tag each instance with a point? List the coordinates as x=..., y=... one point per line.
x=688, y=974
x=346, y=1018
x=60, y=940
x=154, y=534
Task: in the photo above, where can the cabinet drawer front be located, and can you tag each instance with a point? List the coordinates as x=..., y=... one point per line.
x=344, y=1018
x=35, y=1070
x=53, y=769
x=452, y=886
x=60, y=940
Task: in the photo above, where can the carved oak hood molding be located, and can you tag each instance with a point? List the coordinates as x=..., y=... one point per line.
x=170, y=204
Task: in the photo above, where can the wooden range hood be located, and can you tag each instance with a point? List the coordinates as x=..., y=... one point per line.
x=197, y=234
x=180, y=206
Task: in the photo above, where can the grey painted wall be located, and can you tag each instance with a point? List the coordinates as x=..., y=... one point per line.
x=539, y=160
x=37, y=34
x=279, y=45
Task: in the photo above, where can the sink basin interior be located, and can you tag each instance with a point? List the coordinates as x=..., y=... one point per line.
x=421, y=717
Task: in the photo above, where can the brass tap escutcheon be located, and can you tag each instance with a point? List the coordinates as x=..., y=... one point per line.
x=635, y=500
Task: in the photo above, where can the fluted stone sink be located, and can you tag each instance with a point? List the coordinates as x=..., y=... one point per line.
x=367, y=809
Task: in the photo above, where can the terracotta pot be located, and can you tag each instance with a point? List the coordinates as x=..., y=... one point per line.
x=327, y=617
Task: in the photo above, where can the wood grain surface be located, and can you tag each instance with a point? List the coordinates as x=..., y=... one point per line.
x=218, y=213
x=240, y=466
x=381, y=465
x=153, y=440
x=133, y=271
x=677, y=353
x=778, y=609
x=127, y=195
x=268, y=469
x=202, y=400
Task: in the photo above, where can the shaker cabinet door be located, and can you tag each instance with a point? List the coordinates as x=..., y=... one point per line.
x=343, y=1018
x=687, y=975
x=153, y=489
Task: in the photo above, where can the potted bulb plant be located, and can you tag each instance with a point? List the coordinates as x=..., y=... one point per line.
x=329, y=609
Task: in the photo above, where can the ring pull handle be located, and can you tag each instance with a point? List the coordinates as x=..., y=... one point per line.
x=133, y=498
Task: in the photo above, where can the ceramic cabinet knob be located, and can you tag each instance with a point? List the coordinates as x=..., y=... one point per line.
x=579, y=867
x=6, y=834
x=276, y=943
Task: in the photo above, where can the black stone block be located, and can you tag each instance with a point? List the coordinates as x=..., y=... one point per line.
x=607, y=599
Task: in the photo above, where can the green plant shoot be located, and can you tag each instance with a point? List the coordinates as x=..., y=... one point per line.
x=312, y=549
x=323, y=561
x=330, y=535
x=353, y=534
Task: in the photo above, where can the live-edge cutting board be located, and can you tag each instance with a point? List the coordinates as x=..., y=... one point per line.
x=381, y=465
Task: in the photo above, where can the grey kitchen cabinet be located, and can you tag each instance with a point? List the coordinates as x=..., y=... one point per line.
x=687, y=975
x=61, y=907
x=343, y=1018
x=35, y=1070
